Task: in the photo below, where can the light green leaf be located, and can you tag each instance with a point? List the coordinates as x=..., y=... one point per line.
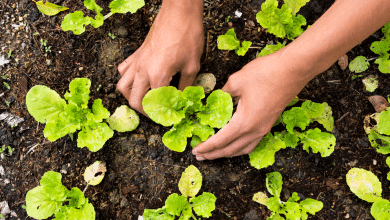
x=386, y=31
x=44, y=104
x=296, y=117
x=228, y=41
x=77, y=198
x=371, y=83
x=311, y=206
x=291, y=210
x=326, y=118
x=290, y=140
x=99, y=111
x=75, y=22
x=244, y=48
x=195, y=141
x=201, y=130
x=388, y=164
x=381, y=48
x=268, y=49
x=124, y=119
x=50, y=9
x=319, y=142
x=204, y=204
x=175, y=204
x=176, y=138
x=124, y=6
x=274, y=204
x=294, y=197
x=380, y=142
x=264, y=154
x=314, y=110
x=295, y=29
x=165, y=105
x=91, y=5
x=381, y=209
x=87, y=212
x=157, y=214
x=190, y=181
x=359, y=64
x=218, y=110
x=94, y=173
x=94, y=136
x=295, y=5
x=274, y=19
x=79, y=92
x=364, y=184
x=40, y=205
x=261, y=198
x=194, y=96
x=384, y=65
x=275, y=216
x=274, y=183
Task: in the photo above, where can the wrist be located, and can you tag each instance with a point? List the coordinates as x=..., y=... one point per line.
x=188, y=6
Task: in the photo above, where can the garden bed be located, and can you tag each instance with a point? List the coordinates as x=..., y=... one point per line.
x=141, y=171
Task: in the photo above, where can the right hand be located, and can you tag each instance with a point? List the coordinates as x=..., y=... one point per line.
x=173, y=44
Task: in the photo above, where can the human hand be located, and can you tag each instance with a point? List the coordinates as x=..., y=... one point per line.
x=173, y=44
x=265, y=87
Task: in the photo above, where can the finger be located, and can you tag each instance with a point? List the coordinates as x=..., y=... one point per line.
x=224, y=136
x=235, y=148
x=126, y=82
x=230, y=86
x=127, y=63
x=160, y=78
x=140, y=88
x=248, y=149
x=188, y=75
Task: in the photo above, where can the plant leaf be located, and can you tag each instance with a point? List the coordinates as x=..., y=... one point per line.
x=75, y=22
x=370, y=83
x=384, y=65
x=176, y=138
x=295, y=5
x=364, y=184
x=190, y=182
x=87, y=212
x=264, y=154
x=326, y=118
x=124, y=119
x=218, y=110
x=261, y=198
x=165, y=105
x=44, y=104
x=204, y=204
x=359, y=64
x=380, y=142
x=194, y=96
x=296, y=117
x=295, y=29
x=77, y=198
x=157, y=214
x=201, y=130
x=50, y=9
x=175, y=204
x=40, y=205
x=319, y=142
x=94, y=136
x=269, y=48
x=228, y=41
x=274, y=205
x=124, y=6
x=244, y=48
x=90, y=173
x=381, y=209
x=311, y=206
x=274, y=183
x=79, y=92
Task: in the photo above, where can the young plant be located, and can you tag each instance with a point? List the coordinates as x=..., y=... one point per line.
x=185, y=111
x=379, y=134
x=49, y=9
x=112, y=36
x=9, y=54
x=264, y=154
x=45, y=46
x=229, y=41
x=365, y=185
x=76, y=21
x=291, y=209
x=62, y=118
x=182, y=205
x=283, y=22
x=381, y=48
x=52, y=198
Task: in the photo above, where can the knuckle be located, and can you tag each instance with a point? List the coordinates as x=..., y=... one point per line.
x=135, y=105
x=120, y=86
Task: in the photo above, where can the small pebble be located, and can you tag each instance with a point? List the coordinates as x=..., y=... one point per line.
x=374, y=162
x=81, y=68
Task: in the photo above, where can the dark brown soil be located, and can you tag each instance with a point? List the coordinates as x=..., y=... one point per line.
x=141, y=171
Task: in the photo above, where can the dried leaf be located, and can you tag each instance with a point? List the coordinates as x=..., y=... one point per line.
x=379, y=102
x=370, y=122
x=343, y=62
x=94, y=174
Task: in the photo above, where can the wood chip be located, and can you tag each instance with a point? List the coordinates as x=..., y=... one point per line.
x=343, y=62
x=379, y=102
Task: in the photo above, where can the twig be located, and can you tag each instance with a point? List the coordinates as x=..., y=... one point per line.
x=32, y=148
x=345, y=115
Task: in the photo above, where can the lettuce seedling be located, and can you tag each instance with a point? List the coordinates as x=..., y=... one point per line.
x=268, y=49
x=185, y=111
x=179, y=205
x=379, y=134
x=76, y=21
x=282, y=22
x=291, y=209
x=52, y=198
x=359, y=64
x=229, y=41
x=365, y=185
x=49, y=9
x=62, y=118
x=323, y=142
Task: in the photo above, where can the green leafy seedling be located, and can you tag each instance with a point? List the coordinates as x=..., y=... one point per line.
x=229, y=41
x=112, y=36
x=183, y=205
x=10, y=150
x=63, y=118
x=282, y=22
x=379, y=134
x=359, y=64
x=7, y=85
x=52, y=198
x=184, y=110
x=77, y=22
x=320, y=142
x=371, y=83
x=365, y=185
x=49, y=9
x=9, y=53
x=291, y=209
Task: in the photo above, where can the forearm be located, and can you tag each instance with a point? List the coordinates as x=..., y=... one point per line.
x=343, y=26
x=185, y=6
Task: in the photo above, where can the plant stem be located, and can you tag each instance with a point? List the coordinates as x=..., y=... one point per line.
x=255, y=47
x=85, y=188
x=107, y=15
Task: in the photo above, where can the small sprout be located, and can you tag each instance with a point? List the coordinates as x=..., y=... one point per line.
x=10, y=150
x=112, y=36
x=94, y=174
x=355, y=76
x=24, y=207
x=10, y=54
x=7, y=103
x=36, y=33
x=98, y=88
x=7, y=85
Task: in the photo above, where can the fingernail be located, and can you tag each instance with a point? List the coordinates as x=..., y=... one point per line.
x=200, y=158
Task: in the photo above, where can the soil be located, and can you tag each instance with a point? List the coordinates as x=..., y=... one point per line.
x=141, y=171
